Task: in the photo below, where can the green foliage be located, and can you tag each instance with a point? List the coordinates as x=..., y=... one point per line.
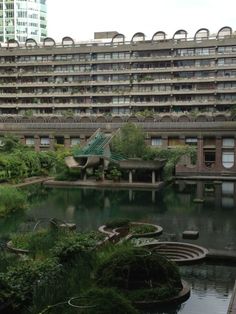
x=161, y=293
x=74, y=246
x=38, y=243
x=132, y=268
x=130, y=141
x=141, y=229
x=10, y=143
x=21, y=278
x=172, y=157
x=106, y=301
x=114, y=174
x=11, y=200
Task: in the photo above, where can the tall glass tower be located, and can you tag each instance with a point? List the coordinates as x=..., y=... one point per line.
x=22, y=19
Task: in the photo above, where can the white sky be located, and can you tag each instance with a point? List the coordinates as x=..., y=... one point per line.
x=81, y=18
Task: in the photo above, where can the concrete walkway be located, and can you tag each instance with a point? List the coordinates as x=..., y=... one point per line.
x=232, y=304
x=32, y=180
x=221, y=255
x=104, y=184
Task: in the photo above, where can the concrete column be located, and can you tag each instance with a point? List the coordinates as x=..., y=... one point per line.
x=130, y=195
x=85, y=176
x=218, y=195
x=164, y=141
x=200, y=157
x=67, y=141
x=153, y=196
x=52, y=142
x=153, y=177
x=37, y=143
x=200, y=190
x=130, y=176
x=218, y=164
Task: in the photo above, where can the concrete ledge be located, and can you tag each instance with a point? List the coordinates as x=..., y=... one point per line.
x=104, y=184
x=232, y=304
x=190, y=234
x=221, y=255
x=182, y=296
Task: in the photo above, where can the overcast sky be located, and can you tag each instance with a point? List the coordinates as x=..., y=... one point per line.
x=81, y=18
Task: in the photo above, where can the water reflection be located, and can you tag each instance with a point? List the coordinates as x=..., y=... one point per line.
x=173, y=208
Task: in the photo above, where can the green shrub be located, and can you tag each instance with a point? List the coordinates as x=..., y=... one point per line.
x=106, y=301
x=11, y=200
x=141, y=229
x=132, y=269
x=21, y=279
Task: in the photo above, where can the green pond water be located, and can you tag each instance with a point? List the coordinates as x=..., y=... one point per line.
x=173, y=208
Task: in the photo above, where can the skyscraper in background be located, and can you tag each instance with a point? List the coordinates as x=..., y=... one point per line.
x=22, y=19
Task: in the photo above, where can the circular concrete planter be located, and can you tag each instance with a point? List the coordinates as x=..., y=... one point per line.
x=179, y=252
x=181, y=297
x=123, y=230
x=16, y=250
x=158, y=230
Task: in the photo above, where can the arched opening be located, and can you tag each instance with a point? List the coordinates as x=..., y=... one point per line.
x=180, y=35
x=30, y=43
x=158, y=36
x=67, y=41
x=201, y=34
x=118, y=39
x=225, y=31
x=12, y=43
x=49, y=42
x=137, y=37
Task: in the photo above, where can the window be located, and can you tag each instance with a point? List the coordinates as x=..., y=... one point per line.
x=156, y=141
x=174, y=141
x=74, y=141
x=209, y=158
x=44, y=141
x=228, y=159
x=228, y=142
x=191, y=141
x=29, y=141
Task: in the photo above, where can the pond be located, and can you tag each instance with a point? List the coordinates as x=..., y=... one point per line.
x=174, y=208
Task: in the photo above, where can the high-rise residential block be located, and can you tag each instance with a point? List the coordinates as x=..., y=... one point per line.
x=22, y=19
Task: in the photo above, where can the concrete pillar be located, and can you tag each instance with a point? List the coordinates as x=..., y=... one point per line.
x=200, y=190
x=164, y=141
x=85, y=176
x=130, y=195
x=52, y=142
x=153, y=177
x=218, y=164
x=200, y=157
x=217, y=195
x=37, y=143
x=153, y=196
x=130, y=176
x=67, y=143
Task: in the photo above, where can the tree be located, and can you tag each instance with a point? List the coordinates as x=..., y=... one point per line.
x=130, y=141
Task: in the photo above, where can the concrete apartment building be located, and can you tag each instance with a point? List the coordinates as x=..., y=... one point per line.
x=22, y=19
x=181, y=90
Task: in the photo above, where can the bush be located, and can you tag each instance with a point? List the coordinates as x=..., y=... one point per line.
x=19, y=280
x=107, y=301
x=11, y=200
x=141, y=229
x=133, y=269
x=74, y=246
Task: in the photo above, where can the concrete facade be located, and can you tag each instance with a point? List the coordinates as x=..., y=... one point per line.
x=181, y=90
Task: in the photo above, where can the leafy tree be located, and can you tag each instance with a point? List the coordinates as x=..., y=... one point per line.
x=10, y=143
x=130, y=141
